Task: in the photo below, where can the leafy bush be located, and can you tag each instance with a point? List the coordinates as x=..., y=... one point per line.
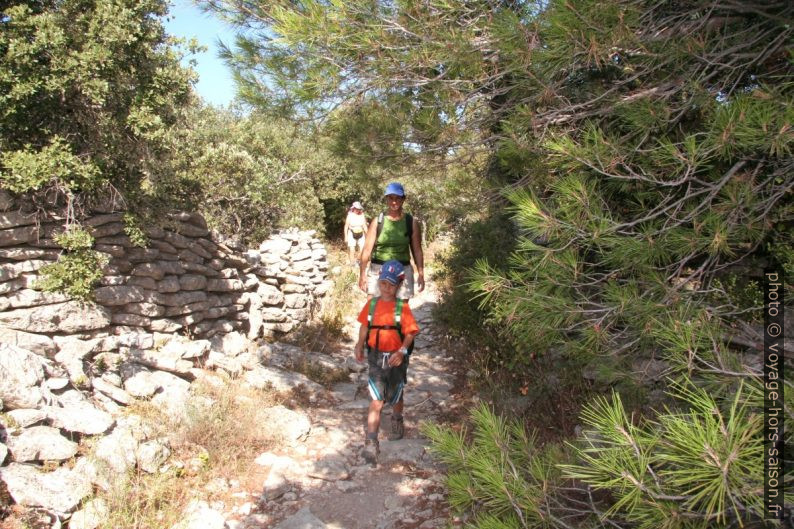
x=89, y=94
x=132, y=228
x=78, y=270
x=30, y=170
x=255, y=174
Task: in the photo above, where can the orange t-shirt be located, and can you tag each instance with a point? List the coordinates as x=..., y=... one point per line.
x=384, y=315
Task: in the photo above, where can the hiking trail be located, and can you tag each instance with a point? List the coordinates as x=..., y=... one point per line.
x=322, y=482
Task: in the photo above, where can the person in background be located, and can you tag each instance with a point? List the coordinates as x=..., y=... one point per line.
x=354, y=232
x=387, y=331
x=396, y=235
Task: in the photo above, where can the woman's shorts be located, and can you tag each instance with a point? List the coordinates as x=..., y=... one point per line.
x=386, y=383
x=352, y=242
x=406, y=289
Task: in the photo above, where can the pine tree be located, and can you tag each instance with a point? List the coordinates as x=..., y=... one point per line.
x=648, y=147
x=666, y=129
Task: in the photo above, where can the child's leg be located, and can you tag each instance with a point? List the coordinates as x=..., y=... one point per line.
x=371, y=445
x=397, y=423
x=373, y=416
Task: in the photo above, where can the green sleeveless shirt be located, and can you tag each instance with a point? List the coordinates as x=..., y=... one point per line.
x=393, y=242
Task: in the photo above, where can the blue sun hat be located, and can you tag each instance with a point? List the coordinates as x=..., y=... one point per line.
x=395, y=188
x=392, y=271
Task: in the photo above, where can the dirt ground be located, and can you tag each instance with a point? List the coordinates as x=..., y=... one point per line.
x=322, y=482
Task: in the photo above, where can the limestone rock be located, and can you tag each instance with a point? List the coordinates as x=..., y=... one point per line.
x=37, y=343
x=168, y=360
x=40, y=443
x=16, y=236
x=90, y=516
x=21, y=371
x=61, y=490
x=140, y=383
x=12, y=219
x=151, y=455
x=80, y=417
x=27, y=417
x=68, y=318
x=292, y=425
x=112, y=391
x=280, y=380
x=275, y=246
x=174, y=395
x=118, y=295
x=117, y=450
x=199, y=515
x=303, y=519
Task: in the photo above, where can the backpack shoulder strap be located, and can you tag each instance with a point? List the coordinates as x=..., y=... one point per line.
x=380, y=226
x=372, y=303
x=398, y=312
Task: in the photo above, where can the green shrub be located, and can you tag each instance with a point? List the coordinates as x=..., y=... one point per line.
x=699, y=465
x=497, y=473
x=690, y=468
x=78, y=270
x=132, y=227
x=30, y=169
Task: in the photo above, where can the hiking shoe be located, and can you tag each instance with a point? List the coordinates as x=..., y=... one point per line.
x=371, y=451
x=397, y=429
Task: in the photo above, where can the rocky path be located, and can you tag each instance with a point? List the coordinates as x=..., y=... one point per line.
x=321, y=482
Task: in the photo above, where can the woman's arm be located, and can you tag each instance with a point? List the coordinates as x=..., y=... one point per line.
x=419, y=258
x=366, y=253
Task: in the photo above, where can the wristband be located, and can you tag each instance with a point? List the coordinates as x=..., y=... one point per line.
x=403, y=350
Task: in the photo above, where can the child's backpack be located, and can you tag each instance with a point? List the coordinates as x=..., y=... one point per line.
x=398, y=311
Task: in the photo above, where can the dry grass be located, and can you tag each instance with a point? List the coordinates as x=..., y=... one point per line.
x=146, y=501
x=221, y=433
x=228, y=422
x=341, y=301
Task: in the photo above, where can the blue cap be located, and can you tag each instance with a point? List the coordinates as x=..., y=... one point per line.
x=392, y=271
x=395, y=188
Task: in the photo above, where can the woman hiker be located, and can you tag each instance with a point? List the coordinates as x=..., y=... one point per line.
x=354, y=231
x=396, y=235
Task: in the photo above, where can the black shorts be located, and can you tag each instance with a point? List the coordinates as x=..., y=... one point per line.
x=386, y=383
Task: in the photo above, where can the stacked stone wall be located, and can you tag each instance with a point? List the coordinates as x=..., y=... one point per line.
x=185, y=281
x=187, y=304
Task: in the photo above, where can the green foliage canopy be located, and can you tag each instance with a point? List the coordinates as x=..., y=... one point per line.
x=649, y=147
x=88, y=93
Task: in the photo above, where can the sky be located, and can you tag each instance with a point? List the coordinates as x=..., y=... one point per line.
x=215, y=83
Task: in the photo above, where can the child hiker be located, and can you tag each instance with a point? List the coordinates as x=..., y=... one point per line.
x=387, y=330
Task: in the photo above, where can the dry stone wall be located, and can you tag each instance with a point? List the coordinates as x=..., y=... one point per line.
x=186, y=305
x=186, y=281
